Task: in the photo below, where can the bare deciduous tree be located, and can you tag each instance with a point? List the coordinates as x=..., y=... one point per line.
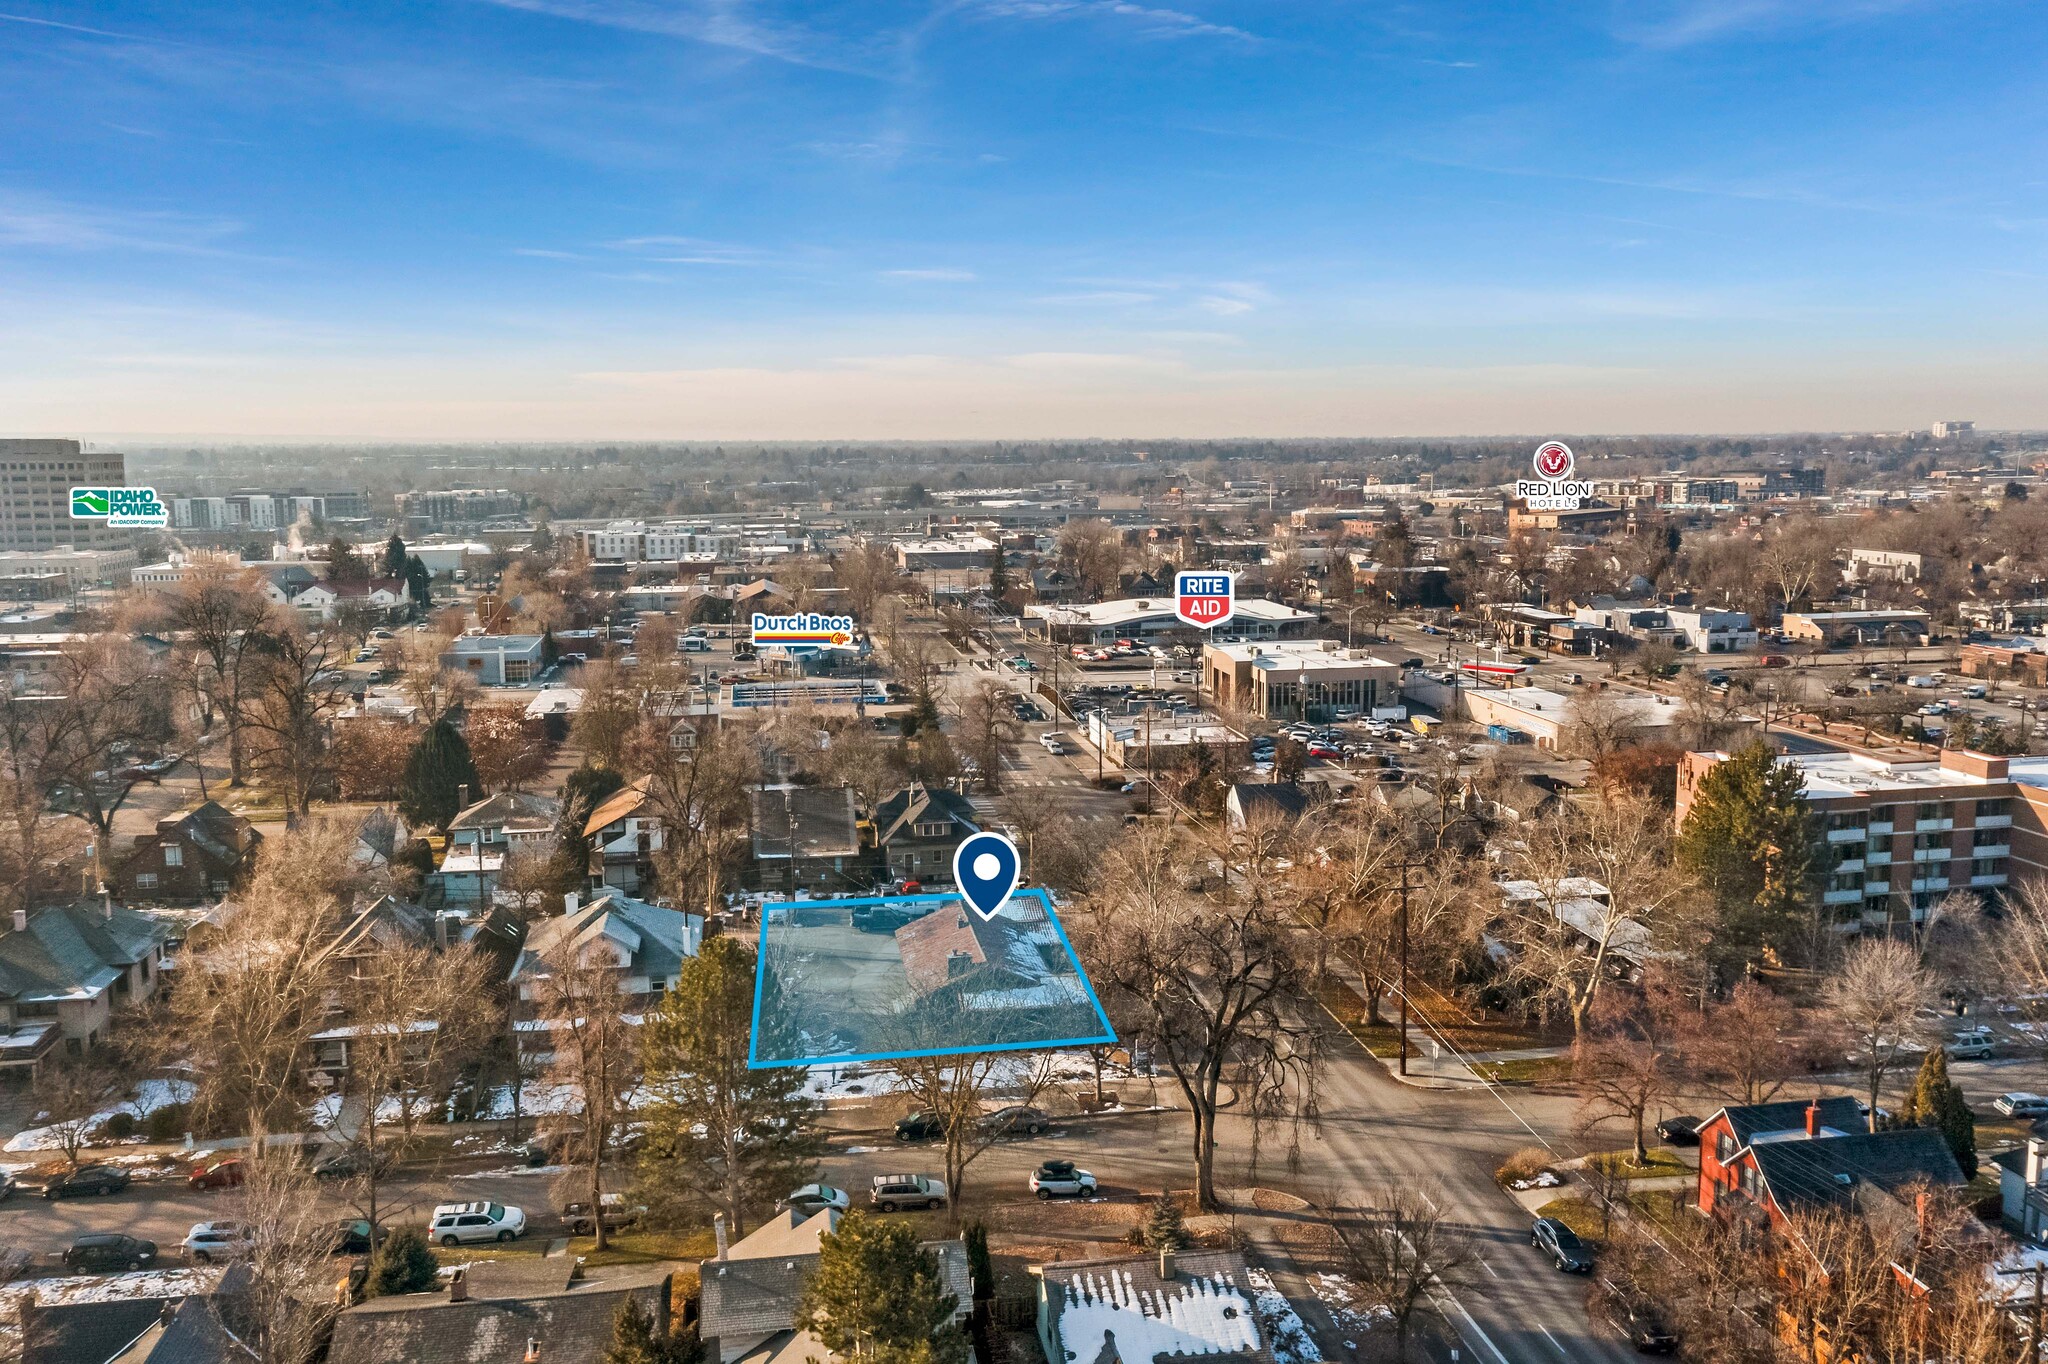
x=1876, y=995
x=1401, y=1252
x=594, y=1051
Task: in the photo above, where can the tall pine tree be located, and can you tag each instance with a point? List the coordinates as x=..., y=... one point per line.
x=419, y=583
x=436, y=772
x=1937, y=1102
x=1749, y=839
x=877, y=1296
x=393, y=563
x=634, y=1340
x=405, y=1263
x=720, y=1136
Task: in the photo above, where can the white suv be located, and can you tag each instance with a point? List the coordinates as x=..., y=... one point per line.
x=455, y=1223
x=211, y=1241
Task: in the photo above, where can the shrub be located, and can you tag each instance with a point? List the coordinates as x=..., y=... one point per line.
x=980, y=1267
x=405, y=1263
x=117, y=1127
x=169, y=1122
x=1523, y=1165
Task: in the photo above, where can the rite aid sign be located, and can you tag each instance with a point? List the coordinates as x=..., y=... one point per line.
x=1556, y=489
x=1204, y=599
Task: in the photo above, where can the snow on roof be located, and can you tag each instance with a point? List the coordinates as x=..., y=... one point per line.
x=1203, y=1316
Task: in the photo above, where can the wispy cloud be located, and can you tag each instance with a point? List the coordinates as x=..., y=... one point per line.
x=1148, y=20
x=933, y=275
x=542, y=253
x=77, y=28
x=715, y=23
x=1106, y=297
x=32, y=221
x=1682, y=23
x=1232, y=298
x=667, y=250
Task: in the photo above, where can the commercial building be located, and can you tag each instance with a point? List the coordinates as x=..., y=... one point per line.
x=1895, y=837
x=1950, y=430
x=497, y=660
x=1151, y=618
x=78, y=568
x=951, y=551
x=636, y=542
x=1300, y=679
x=1701, y=629
x=1836, y=628
x=36, y=479
x=1882, y=566
x=1546, y=717
x=1144, y=743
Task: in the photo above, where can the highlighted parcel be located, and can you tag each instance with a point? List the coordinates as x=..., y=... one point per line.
x=898, y=976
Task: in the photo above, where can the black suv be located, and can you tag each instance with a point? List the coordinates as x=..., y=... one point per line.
x=1562, y=1245
x=109, y=1251
x=87, y=1179
x=352, y=1236
x=1635, y=1317
x=882, y=918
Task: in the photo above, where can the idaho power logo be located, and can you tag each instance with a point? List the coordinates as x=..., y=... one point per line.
x=121, y=508
x=804, y=628
x=1555, y=489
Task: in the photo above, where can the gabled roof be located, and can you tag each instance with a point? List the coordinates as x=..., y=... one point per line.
x=1748, y=1121
x=920, y=804
x=87, y=1332
x=1122, y=1310
x=818, y=819
x=621, y=804
x=1287, y=799
x=752, y=1292
x=73, y=950
x=657, y=940
x=1837, y=1171
x=1003, y=944
x=383, y=922
x=508, y=810
x=215, y=830
x=572, y=1326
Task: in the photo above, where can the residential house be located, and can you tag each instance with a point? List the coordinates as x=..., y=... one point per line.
x=74, y=967
x=482, y=835
x=1139, y=1309
x=749, y=1292
x=1249, y=802
x=1766, y=1160
x=282, y=583
x=199, y=1328
x=198, y=855
x=2023, y=1189
x=918, y=829
x=646, y=944
x=1013, y=959
x=525, y=1310
x=326, y=600
x=624, y=834
x=805, y=839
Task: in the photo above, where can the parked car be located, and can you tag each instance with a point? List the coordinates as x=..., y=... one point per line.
x=1683, y=1130
x=217, y=1174
x=107, y=1252
x=352, y=1236
x=211, y=1241
x=613, y=1211
x=813, y=1199
x=1014, y=1119
x=87, y=1180
x=1062, y=1179
x=350, y=1162
x=456, y=1223
x=920, y=1127
x=881, y=918
x=2021, y=1105
x=1630, y=1312
x=1969, y=1047
x=891, y=1193
x=1562, y=1245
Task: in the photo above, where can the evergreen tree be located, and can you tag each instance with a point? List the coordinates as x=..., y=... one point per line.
x=344, y=565
x=582, y=792
x=634, y=1340
x=393, y=564
x=435, y=773
x=981, y=1266
x=998, y=574
x=405, y=1263
x=877, y=1296
x=1163, y=1227
x=1937, y=1102
x=1749, y=839
x=720, y=1136
x=419, y=583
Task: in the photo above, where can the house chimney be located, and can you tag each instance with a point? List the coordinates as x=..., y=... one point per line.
x=1166, y=1262
x=718, y=1234
x=1813, y=1118
x=21, y=921
x=441, y=930
x=462, y=796
x=2036, y=1149
x=458, y=1287
x=571, y=902
x=532, y=1350
x=106, y=903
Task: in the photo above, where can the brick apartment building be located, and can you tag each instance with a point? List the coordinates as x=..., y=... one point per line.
x=1895, y=837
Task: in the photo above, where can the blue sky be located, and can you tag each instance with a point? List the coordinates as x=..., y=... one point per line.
x=641, y=218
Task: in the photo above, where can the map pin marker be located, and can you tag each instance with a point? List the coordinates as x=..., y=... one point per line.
x=985, y=869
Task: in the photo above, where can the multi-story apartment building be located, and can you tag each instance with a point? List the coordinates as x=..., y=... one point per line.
x=36, y=479
x=460, y=504
x=1895, y=837
x=636, y=542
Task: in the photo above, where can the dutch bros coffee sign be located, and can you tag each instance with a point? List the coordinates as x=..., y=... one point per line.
x=1204, y=599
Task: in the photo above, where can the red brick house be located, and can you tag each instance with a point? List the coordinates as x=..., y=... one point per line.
x=1769, y=1159
x=199, y=855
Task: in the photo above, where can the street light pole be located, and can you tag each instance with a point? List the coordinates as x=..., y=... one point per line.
x=1404, y=968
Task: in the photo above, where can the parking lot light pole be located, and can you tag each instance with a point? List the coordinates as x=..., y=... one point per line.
x=1404, y=968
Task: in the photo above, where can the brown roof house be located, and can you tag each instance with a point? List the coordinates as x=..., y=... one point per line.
x=547, y=1310
x=198, y=855
x=749, y=1293
x=624, y=835
x=806, y=838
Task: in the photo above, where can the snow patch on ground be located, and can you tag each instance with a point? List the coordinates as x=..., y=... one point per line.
x=511, y=1170
x=1286, y=1333
x=1542, y=1179
x=1346, y=1303
x=150, y=1095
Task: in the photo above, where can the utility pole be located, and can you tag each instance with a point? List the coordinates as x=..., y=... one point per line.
x=1404, y=968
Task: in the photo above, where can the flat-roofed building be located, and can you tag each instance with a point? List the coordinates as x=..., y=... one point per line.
x=1836, y=628
x=1151, y=618
x=1547, y=717
x=1298, y=679
x=36, y=479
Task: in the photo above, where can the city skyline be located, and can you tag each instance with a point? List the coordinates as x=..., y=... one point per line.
x=1022, y=218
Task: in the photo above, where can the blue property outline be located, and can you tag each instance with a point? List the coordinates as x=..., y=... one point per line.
x=1107, y=1038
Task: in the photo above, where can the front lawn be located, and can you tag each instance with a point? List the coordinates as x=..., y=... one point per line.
x=1576, y=1213
x=1662, y=1163
x=1527, y=1070
x=1452, y=1023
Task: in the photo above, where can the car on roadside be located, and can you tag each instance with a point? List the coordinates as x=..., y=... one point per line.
x=455, y=1224
x=352, y=1236
x=1630, y=1312
x=893, y=1193
x=227, y=1173
x=1561, y=1246
x=813, y=1199
x=1969, y=1047
x=613, y=1210
x=882, y=918
x=921, y=1126
x=1062, y=1179
x=1683, y=1130
x=2020, y=1104
x=209, y=1242
x=1017, y=1118
x=109, y=1252
x=87, y=1181
x=351, y=1163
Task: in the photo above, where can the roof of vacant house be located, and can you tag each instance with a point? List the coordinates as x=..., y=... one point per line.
x=656, y=940
x=617, y=806
x=73, y=951
x=572, y=1325
x=214, y=828
x=86, y=1332
x=1252, y=800
x=819, y=820
x=919, y=804
x=1123, y=1310
x=508, y=810
x=1017, y=940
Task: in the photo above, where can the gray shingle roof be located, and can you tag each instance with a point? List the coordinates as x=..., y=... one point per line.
x=657, y=936
x=87, y=1332
x=1830, y=1171
x=69, y=947
x=920, y=804
x=1840, y=1112
x=570, y=1327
